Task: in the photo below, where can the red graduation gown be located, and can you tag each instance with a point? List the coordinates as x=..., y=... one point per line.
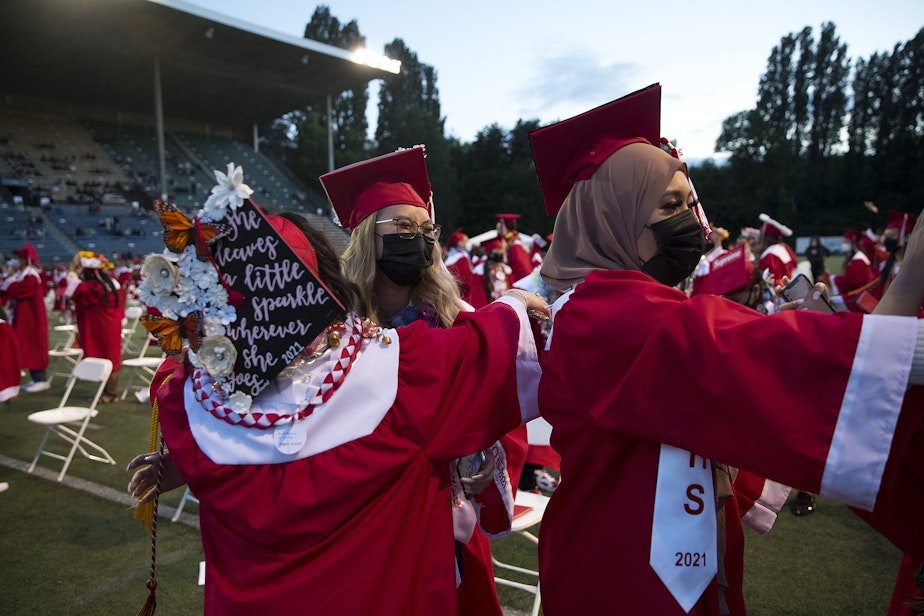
x=633, y=363
x=365, y=526
x=780, y=260
x=9, y=362
x=471, y=287
x=25, y=292
x=99, y=321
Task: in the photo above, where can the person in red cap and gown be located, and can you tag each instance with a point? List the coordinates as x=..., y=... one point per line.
x=459, y=263
x=24, y=292
x=778, y=258
x=356, y=517
x=376, y=200
x=99, y=310
x=644, y=519
x=517, y=257
x=10, y=370
x=858, y=273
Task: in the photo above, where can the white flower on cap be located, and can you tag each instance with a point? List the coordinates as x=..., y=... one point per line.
x=217, y=355
x=229, y=192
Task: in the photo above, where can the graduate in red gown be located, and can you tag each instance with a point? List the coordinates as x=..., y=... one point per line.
x=517, y=257
x=99, y=310
x=653, y=395
x=10, y=369
x=386, y=202
x=778, y=258
x=24, y=294
x=352, y=512
x=459, y=263
x=858, y=275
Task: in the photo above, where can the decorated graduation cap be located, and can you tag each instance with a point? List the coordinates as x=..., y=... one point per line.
x=363, y=188
x=571, y=150
x=750, y=232
x=728, y=273
x=902, y=222
x=774, y=228
x=236, y=287
x=27, y=252
x=90, y=260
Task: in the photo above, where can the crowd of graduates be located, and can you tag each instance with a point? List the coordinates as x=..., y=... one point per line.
x=388, y=452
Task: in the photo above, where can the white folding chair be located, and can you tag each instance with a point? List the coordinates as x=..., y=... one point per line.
x=187, y=496
x=89, y=369
x=132, y=318
x=63, y=354
x=529, y=508
x=143, y=366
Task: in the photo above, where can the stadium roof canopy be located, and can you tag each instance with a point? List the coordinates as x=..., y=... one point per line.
x=212, y=67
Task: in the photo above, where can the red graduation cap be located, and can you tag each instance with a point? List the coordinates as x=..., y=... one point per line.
x=571, y=150
x=296, y=240
x=774, y=228
x=456, y=237
x=852, y=235
x=360, y=189
x=728, y=273
x=902, y=222
x=509, y=217
x=495, y=243
x=27, y=252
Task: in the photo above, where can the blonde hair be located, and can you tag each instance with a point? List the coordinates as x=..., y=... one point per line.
x=437, y=287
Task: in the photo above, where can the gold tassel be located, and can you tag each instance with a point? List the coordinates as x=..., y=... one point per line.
x=145, y=511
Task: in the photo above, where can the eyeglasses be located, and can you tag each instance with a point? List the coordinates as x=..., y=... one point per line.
x=409, y=229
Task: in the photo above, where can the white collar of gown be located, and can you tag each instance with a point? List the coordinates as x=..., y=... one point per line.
x=354, y=410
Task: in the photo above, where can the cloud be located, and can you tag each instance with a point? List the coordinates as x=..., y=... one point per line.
x=557, y=87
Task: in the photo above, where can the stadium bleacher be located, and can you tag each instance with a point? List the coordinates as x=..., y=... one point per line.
x=91, y=183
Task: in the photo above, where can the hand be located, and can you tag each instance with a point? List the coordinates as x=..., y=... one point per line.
x=144, y=482
x=871, y=207
x=535, y=304
x=821, y=290
x=479, y=482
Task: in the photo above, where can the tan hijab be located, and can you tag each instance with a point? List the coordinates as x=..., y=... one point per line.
x=602, y=217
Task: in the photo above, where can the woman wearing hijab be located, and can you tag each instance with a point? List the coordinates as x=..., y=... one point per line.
x=651, y=393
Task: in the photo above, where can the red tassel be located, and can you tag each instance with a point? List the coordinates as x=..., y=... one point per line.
x=235, y=298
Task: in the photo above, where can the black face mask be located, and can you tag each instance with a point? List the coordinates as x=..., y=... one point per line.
x=681, y=243
x=891, y=244
x=405, y=261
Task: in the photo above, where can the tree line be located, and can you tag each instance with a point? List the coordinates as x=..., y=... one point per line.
x=826, y=133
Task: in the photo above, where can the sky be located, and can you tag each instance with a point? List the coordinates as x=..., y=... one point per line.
x=502, y=61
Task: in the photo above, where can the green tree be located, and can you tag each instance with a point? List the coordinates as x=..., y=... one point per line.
x=409, y=114
x=305, y=130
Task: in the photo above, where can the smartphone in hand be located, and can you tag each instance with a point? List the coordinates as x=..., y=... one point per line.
x=800, y=288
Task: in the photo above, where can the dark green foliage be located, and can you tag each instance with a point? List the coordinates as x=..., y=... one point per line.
x=818, y=144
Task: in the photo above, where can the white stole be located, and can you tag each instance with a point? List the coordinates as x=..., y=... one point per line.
x=683, y=530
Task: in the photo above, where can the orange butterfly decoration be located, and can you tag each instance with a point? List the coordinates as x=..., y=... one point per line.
x=179, y=231
x=170, y=333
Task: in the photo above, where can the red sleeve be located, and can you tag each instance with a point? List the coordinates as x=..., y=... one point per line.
x=461, y=382
x=28, y=287
x=725, y=382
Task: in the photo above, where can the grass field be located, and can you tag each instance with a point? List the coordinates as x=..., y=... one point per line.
x=74, y=548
